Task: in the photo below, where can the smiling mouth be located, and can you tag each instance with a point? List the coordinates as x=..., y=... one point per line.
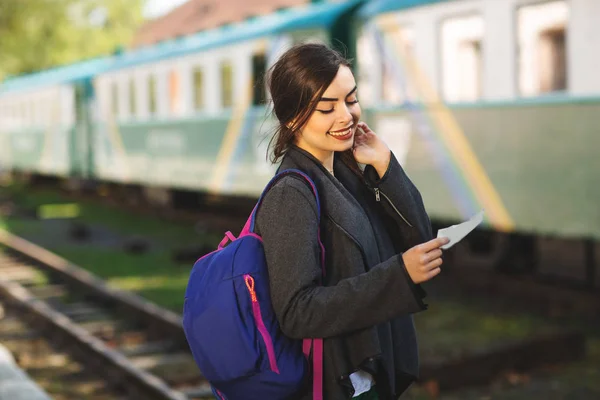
x=342, y=132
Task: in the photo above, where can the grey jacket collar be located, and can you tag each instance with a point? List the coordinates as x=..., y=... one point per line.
x=337, y=203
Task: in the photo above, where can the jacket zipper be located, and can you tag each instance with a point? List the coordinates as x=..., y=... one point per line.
x=260, y=323
x=378, y=198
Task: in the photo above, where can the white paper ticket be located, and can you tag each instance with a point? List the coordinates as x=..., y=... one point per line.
x=457, y=232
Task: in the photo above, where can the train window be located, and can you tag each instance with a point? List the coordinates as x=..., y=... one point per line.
x=462, y=58
x=552, y=60
x=259, y=68
x=24, y=116
x=226, y=84
x=35, y=112
x=152, y=95
x=79, y=105
x=132, y=98
x=174, y=92
x=542, y=47
x=43, y=111
x=198, y=82
x=396, y=81
x=33, y=115
x=115, y=99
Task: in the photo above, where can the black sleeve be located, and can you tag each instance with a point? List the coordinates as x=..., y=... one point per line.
x=288, y=223
x=402, y=201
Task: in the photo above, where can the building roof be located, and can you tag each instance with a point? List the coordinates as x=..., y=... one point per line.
x=199, y=15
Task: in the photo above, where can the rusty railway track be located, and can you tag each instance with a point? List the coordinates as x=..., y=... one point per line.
x=134, y=344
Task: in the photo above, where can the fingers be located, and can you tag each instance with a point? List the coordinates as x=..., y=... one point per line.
x=364, y=127
x=433, y=273
x=434, y=244
x=435, y=264
x=423, y=261
x=432, y=255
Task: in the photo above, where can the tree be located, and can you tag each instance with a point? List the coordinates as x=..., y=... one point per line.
x=39, y=34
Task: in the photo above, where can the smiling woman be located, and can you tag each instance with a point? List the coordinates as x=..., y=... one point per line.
x=372, y=225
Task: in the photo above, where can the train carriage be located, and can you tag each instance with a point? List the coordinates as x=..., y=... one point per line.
x=491, y=105
x=44, y=120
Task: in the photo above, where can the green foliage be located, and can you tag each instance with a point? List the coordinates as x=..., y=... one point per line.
x=39, y=34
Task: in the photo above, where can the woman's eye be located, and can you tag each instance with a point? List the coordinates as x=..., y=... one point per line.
x=325, y=111
x=352, y=101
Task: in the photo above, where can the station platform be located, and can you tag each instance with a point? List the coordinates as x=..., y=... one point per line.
x=15, y=384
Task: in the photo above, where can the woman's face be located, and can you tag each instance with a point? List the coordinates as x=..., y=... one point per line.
x=333, y=124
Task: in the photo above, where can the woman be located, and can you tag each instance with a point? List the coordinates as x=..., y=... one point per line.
x=376, y=233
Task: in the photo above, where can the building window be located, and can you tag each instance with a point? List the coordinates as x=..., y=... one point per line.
x=259, y=67
x=226, y=85
x=462, y=58
x=198, y=87
x=132, y=98
x=397, y=82
x=152, y=95
x=542, y=36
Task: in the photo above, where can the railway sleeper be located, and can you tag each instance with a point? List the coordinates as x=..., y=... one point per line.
x=50, y=292
x=198, y=392
x=175, y=369
x=82, y=311
x=162, y=346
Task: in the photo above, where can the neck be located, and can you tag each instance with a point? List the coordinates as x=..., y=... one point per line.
x=324, y=156
x=327, y=161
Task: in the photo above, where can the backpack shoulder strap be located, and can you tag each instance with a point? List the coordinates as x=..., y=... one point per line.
x=309, y=345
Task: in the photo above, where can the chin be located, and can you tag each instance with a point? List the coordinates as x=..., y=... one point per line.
x=344, y=146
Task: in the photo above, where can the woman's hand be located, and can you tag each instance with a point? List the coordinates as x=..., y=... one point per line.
x=370, y=149
x=423, y=261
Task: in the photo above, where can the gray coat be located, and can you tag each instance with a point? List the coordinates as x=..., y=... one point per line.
x=363, y=309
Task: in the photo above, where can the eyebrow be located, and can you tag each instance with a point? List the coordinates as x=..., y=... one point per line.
x=333, y=99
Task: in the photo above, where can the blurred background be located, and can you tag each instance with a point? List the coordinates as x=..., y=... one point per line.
x=133, y=134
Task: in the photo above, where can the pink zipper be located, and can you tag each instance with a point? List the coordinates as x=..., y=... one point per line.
x=260, y=323
x=221, y=397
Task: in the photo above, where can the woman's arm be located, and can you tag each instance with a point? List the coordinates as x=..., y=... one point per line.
x=288, y=223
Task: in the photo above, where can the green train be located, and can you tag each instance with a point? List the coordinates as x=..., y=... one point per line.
x=489, y=105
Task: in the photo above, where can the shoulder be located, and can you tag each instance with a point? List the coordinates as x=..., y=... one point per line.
x=290, y=197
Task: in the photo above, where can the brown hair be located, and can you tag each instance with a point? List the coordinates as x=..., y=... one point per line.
x=296, y=83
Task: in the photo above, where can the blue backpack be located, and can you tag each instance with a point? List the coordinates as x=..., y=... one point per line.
x=231, y=327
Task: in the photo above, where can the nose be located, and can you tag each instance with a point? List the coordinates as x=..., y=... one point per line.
x=345, y=116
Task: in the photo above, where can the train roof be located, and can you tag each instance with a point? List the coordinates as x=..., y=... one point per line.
x=310, y=16
x=67, y=73
x=375, y=7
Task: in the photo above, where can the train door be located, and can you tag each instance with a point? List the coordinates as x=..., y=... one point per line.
x=82, y=134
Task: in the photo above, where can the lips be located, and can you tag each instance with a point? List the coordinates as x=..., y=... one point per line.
x=343, y=134
x=341, y=131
